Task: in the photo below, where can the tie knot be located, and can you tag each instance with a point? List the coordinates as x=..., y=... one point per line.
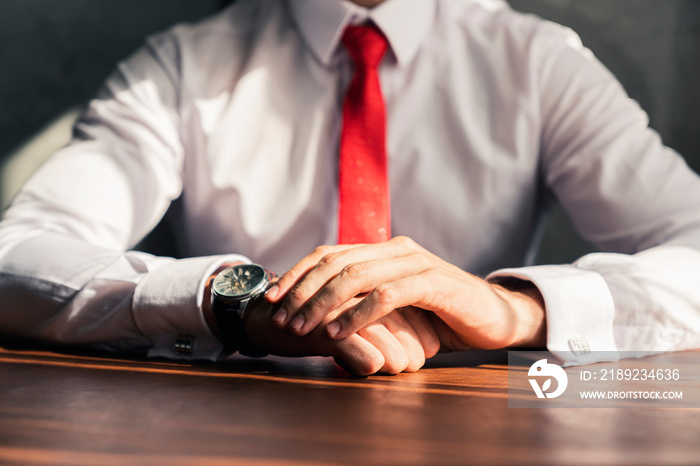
x=365, y=44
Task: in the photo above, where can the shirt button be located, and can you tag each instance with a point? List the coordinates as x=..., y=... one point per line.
x=183, y=344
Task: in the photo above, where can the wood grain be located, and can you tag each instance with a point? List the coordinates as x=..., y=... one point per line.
x=82, y=409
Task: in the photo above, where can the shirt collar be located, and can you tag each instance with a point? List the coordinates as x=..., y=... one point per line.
x=404, y=22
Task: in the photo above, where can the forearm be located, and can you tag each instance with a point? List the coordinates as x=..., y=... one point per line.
x=619, y=303
x=63, y=290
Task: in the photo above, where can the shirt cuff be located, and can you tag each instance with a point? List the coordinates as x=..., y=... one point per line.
x=168, y=308
x=579, y=309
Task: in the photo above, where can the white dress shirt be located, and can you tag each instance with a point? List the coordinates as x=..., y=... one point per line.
x=490, y=113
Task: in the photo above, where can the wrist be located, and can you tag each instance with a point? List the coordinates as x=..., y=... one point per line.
x=209, y=317
x=528, y=309
x=235, y=291
x=263, y=336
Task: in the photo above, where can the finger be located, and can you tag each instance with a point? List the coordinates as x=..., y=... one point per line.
x=421, y=323
x=318, y=268
x=293, y=275
x=357, y=355
x=353, y=280
x=280, y=289
x=429, y=290
x=395, y=356
x=399, y=327
x=326, y=267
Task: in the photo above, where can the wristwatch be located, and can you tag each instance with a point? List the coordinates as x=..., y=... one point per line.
x=234, y=292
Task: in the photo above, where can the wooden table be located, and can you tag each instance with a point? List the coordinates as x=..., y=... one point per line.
x=83, y=410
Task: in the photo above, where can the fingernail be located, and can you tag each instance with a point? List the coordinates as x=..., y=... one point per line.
x=271, y=294
x=297, y=323
x=280, y=316
x=332, y=329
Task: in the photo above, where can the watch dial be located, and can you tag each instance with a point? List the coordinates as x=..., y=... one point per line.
x=238, y=280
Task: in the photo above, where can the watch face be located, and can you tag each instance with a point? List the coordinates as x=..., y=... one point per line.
x=239, y=281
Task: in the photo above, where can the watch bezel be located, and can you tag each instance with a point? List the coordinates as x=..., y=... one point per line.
x=259, y=288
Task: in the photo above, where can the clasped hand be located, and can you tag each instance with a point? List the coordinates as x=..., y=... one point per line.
x=398, y=295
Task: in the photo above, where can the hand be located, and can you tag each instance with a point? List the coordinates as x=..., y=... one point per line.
x=400, y=273
x=399, y=342
x=389, y=345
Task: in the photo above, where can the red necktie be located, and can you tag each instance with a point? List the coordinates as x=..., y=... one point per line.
x=364, y=211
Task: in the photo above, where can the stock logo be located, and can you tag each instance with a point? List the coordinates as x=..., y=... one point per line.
x=543, y=369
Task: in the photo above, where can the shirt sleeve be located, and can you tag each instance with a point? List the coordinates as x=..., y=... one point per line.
x=626, y=192
x=67, y=271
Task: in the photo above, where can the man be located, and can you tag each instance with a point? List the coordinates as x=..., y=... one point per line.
x=244, y=119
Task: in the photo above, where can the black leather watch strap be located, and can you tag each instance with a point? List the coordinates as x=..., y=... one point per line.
x=232, y=329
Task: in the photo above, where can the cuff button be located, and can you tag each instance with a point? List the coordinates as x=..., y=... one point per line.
x=579, y=345
x=183, y=344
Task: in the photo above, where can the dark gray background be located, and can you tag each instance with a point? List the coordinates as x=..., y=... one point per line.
x=55, y=53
